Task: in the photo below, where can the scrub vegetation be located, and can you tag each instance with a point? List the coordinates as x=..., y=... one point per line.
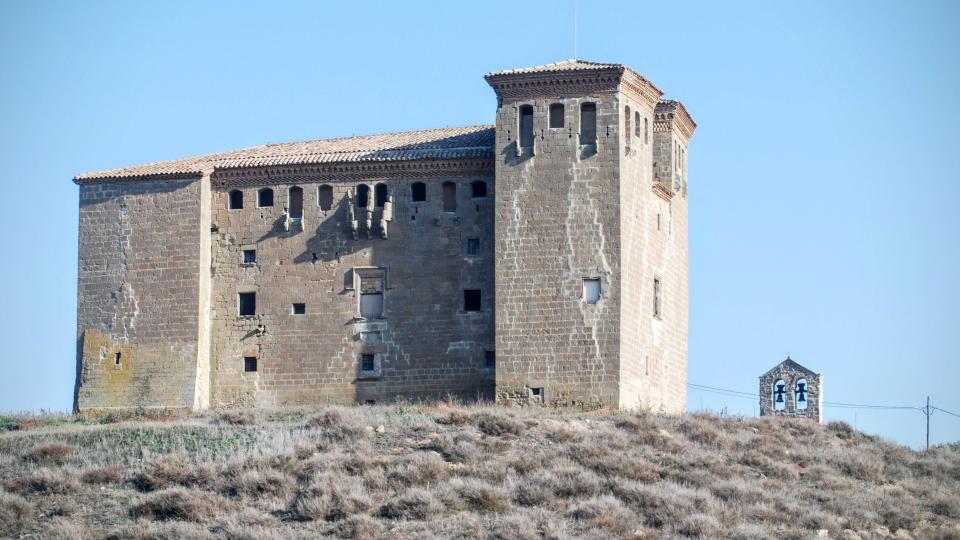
x=444, y=471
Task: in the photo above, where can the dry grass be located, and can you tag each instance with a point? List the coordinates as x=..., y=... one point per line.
x=465, y=472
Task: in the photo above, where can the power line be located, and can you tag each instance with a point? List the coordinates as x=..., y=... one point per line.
x=946, y=411
x=737, y=393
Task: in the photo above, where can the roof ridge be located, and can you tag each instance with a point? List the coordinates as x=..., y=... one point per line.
x=405, y=132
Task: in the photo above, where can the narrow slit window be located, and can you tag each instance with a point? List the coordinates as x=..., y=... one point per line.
x=646, y=131
x=626, y=121
x=478, y=189
x=591, y=290
x=526, y=126
x=248, y=304
x=556, y=115
x=363, y=195
x=296, y=202
x=299, y=308
x=588, y=123
x=471, y=300
x=116, y=358
x=249, y=256
x=473, y=247
x=657, y=298
x=249, y=364
x=236, y=200
x=490, y=359
x=265, y=198
x=449, y=197
x=418, y=192
x=380, y=193
x=325, y=197
x=636, y=124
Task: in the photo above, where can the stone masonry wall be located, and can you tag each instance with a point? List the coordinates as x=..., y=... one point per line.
x=137, y=300
x=558, y=216
x=791, y=373
x=426, y=345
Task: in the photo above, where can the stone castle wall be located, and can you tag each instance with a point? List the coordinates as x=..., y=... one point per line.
x=137, y=294
x=426, y=345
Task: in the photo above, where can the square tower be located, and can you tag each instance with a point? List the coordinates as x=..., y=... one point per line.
x=591, y=238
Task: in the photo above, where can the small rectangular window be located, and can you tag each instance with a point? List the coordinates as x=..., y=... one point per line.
x=471, y=300
x=249, y=363
x=248, y=304
x=657, y=293
x=537, y=394
x=371, y=297
x=490, y=359
x=556, y=115
x=588, y=123
x=449, y=197
x=526, y=126
x=249, y=256
x=591, y=290
x=473, y=247
x=116, y=359
x=368, y=362
x=299, y=309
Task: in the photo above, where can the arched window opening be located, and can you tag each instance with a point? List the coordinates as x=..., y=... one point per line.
x=363, y=195
x=556, y=115
x=236, y=200
x=296, y=202
x=478, y=189
x=526, y=126
x=265, y=198
x=636, y=124
x=800, y=393
x=379, y=195
x=779, y=395
x=449, y=197
x=418, y=191
x=588, y=123
x=626, y=122
x=325, y=197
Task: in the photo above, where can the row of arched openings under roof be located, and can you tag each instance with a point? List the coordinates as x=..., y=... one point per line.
x=800, y=393
x=418, y=192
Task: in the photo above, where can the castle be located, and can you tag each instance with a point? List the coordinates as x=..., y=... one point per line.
x=540, y=260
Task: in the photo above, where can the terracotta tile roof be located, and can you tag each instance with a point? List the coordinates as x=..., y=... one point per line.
x=431, y=144
x=566, y=65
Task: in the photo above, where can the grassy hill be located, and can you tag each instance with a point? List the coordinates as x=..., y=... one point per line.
x=474, y=472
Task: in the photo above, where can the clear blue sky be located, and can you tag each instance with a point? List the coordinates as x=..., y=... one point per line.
x=824, y=177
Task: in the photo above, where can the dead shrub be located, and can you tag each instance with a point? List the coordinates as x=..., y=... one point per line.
x=613, y=462
x=338, y=425
x=44, y=481
x=700, y=430
x=15, y=513
x=49, y=454
x=866, y=466
x=455, y=418
x=236, y=418
x=698, y=525
x=414, y=504
x=103, y=475
x=606, y=513
x=419, y=469
x=174, y=530
x=331, y=498
x=177, y=504
x=945, y=505
x=563, y=480
x=455, y=448
x=259, y=483
x=358, y=526
x=737, y=491
x=498, y=425
x=841, y=429
x=65, y=529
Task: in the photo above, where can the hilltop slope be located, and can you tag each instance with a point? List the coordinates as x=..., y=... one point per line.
x=475, y=472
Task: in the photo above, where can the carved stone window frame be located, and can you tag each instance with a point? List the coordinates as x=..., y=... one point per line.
x=374, y=272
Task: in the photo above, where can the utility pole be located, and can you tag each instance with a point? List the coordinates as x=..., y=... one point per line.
x=927, y=412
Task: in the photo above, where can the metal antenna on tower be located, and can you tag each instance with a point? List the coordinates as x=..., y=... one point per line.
x=575, y=2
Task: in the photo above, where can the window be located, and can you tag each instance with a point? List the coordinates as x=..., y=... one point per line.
x=478, y=189
x=471, y=300
x=526, y=126
x=657, y=298
x=800, y=394
x=265, y=198
x=116, y=358
x=779, y=393
x=588, y=123
x=646, y=137
x=368, y=362
x=248, y=304
x=591, y=290
x=325, y=197
x=626, y=122
x=363, y=195
x=249, y=256
x=371, y=297
x=490, y=359
x=556, y=115
x=473, y=247
x=236, y=200
x=380, y=193
x=449, y=197
x=249, y=363
x=537, y=394
x=299, y=309
x=296, y=202
x=418, y=192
